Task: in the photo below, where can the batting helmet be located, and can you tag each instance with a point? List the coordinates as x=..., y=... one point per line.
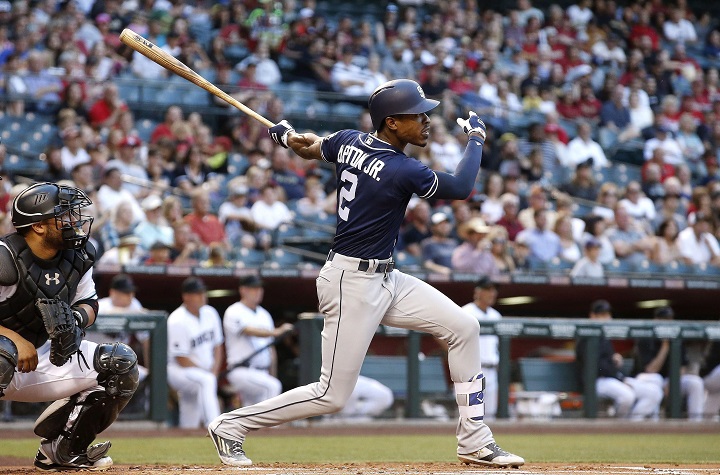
x=64, y=203
x=399, y=96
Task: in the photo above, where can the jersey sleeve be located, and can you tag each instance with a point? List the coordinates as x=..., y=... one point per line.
x=416, y=177
x=218, y=337
x=178, y=342
x=330, y=145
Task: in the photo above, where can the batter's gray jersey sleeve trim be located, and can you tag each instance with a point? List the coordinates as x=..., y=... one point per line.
x=433, y=187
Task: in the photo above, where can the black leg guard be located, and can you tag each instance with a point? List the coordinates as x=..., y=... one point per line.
x=77, y=420
x=8, y=362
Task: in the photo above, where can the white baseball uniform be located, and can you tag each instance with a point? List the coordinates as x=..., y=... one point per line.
x=489, y=357
x=253, y=382
x=194, y=337
x=370, y=398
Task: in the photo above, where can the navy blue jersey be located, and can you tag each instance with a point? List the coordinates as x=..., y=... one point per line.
x=374, y=185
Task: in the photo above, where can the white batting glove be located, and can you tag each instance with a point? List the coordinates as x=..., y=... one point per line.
x=280, y=131
x=473, y=125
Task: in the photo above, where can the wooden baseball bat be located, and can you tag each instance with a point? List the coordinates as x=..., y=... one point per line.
x=166, y=60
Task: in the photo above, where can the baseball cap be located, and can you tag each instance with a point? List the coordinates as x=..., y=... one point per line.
x=122, y=283
x=103, y=18
x=252, y=280
x=585, y=163
x=600, y=306
x=438, y=218
x=129, y=240
x=151, y=202
x=193, y=285
x=130, y=141
x=485, y=282
x=592, y=243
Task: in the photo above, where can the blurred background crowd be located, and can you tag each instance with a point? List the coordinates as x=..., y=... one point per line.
x=603, y=128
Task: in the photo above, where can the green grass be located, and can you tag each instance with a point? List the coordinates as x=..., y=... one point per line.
x=606, y=448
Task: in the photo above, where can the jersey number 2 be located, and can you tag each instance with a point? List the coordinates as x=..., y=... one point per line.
x=346, y=194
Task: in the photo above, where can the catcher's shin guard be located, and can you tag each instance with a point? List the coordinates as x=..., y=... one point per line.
x=470, y=398
x=8, y=362
x=78, y=419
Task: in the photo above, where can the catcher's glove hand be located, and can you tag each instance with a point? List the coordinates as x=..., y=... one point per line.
x=63, y=329
x=280, y=131
x=473, y=125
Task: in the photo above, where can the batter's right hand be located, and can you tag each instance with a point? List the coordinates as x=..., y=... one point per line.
x=280, y=131
x=27, y=355
x=473, y=126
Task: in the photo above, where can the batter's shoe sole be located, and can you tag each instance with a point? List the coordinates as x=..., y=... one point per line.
x=492, y=456
x=229, y=450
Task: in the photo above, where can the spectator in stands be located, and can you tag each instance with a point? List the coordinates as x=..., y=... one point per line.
x=710, y=371
x=154, y=228
x=394, y=65
x=663, y=139
x=639, y=207
x=126, y=253
x=172, y=210
x=697, y=243
x=677, y=29
x=641, y=115
x=269, y=212
x=589, y=265
x=347, y=77
x=121, y=222
x=444, y=149
x=583, y=147
x=690, y=144
x=203, y=223
x=54, y=171
x=583, y=183
x=509, y=220
x=267, y=71
x=670, y=208
x=105, y=112
x=473, y=255
x=126, y=160
x=437, y=250
x=665, y=247
x=652, y=355
x=82, y=176
x=492, y=207
x=632, y=398
x=569, y=248
x=15, y=88
x=283, y=175
x=537, y=200
x=484, y=297
x=418, y=227
x=537, y=138
x=192, y=171
x=186, y=245
x=112, y=192
x=609, y=52
x=235, y=214
x=615, y=120
x=195, y=355
x=500, y=250
x=630, y=242
x=248, y=329
x=158, y=254
x=73, y=151
x=544, y=244
x=44, y=86
x=173, y=115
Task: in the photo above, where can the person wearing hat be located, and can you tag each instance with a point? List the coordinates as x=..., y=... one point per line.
x=234, y=213
x=697, y=243
x=153, y=229
x=473, y=254
x=589, y=265
x=654, y=367
x=484, y=297
x=665, y=140
x=195, y=355
x=583, y=184
x=632, y=398
x=250, y=333
x=127, y=252
x=437, y=250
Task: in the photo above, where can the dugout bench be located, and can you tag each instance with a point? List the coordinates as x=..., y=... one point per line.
x=310, y=326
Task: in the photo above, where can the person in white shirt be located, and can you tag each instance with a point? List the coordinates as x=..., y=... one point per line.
x=347, y=77
x=154, y=229
x=269, y=213
x=249, y=335
x=267, y=71
x=111, y=193
x=663, y=138
x=678, y=29
x=484, y=296
x=580, y=15
x=639, y=206
x=445, y=150
x=589, y=265
x=73, y=152
x=195, y=355
x=697, y=244
x=583, y=147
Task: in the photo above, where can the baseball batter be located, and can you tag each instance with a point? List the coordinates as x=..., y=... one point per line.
x=358, y=288
x=195, y=343
x=49, y=258
x=250, y=330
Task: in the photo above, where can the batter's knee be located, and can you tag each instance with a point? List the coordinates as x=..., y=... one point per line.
x=467, y=327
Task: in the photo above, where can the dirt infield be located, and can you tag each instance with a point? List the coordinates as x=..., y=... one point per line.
x=21, y=465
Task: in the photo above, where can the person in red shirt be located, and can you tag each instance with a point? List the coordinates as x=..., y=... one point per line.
x=173, y=115
x=644, y=28
x=105, y=112
x=509, y=219
x=203, y=223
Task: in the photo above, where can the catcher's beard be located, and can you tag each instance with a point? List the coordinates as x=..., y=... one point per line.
x=54, y=237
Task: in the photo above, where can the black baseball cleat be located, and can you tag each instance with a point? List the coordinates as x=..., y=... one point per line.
x=492, y=456
x=229, y=450
x=94, y=458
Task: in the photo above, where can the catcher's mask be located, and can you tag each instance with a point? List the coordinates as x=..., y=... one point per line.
x=62, y=203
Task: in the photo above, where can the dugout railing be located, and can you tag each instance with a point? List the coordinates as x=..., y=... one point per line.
x=310, y=327
x=155, y=323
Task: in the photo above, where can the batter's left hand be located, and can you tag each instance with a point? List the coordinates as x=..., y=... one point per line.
x=280, y=131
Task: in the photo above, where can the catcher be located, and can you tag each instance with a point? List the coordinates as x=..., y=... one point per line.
x=47, y=300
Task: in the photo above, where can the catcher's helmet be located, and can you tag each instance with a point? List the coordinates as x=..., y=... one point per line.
x=64, y=203
x=399, y=96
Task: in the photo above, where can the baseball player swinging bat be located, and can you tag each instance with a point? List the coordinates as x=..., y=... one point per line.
x=169, y=62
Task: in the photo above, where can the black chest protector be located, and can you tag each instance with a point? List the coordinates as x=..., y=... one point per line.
x=38, y=278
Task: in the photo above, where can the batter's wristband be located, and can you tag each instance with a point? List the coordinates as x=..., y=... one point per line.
x=476, y=139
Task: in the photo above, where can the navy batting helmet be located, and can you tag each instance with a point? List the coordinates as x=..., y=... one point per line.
x=399, y=96
x=43, y=201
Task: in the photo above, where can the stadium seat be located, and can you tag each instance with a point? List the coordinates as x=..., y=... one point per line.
x=281, y=258
x=249, y=257
x=145, y=129
x=404, y=260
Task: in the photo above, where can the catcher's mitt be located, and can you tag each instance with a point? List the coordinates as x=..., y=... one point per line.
x=62, y=327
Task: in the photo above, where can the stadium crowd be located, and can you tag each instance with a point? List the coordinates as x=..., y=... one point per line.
x=602, y=150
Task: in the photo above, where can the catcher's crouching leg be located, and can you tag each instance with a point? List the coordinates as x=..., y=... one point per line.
x=8, y=362
x=69, y=425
